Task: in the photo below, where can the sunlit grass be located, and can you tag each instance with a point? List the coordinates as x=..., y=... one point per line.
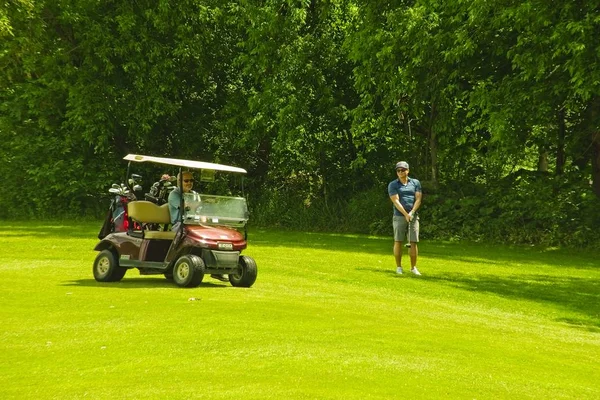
x=327, y=319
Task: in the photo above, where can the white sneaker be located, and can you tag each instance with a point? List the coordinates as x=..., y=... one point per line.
x=415, y=271
x=399, y=270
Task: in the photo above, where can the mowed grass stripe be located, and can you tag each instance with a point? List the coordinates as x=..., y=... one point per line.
x=327, y=318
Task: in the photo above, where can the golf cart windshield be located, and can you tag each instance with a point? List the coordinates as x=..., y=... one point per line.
x=214, y=210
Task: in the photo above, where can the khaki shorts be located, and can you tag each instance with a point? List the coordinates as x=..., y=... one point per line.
x=401, y=228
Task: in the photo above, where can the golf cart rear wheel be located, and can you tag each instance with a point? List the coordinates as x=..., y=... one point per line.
x=247, y=273
x=188, y=271
x=106, y=267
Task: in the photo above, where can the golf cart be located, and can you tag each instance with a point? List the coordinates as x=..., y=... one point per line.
x=209, y=237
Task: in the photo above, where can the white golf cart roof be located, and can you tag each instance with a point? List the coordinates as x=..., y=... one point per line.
x=183, y=163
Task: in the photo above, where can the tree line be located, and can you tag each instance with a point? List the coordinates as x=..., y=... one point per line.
x=495, y=105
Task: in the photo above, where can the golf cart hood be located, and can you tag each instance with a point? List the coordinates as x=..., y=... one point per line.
x=212, y=235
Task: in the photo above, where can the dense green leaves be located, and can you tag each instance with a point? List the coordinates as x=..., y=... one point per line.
x=317, y=99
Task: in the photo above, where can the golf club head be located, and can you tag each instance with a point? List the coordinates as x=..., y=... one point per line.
x=137, y=188
x=134, y=179
x=115, y=186
x=114, y=190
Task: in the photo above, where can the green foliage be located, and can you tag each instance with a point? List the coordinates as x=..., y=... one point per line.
x=297, y=84
x=370, y=212
x=86, y=84
x=523, y=208
x=317, y=100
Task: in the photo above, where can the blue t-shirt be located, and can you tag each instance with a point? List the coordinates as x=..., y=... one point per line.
x=406, y=193
x=174, y=204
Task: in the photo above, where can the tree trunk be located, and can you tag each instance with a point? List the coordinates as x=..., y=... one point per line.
x=263, y=159
x=560, y=149
x=433, y=147
x=543, y=160
x=596, y=163
x=594, y=121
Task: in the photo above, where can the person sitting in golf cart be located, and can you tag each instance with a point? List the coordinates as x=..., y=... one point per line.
x=187, y=181
x=184, y=185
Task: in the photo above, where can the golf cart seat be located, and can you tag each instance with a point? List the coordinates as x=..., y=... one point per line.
x=147, y=212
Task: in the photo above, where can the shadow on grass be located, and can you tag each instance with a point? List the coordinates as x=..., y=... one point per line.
x=139, y=283
x=578, y=295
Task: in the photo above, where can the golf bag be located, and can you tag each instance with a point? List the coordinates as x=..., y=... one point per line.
x=116, y=219
x=159, y=192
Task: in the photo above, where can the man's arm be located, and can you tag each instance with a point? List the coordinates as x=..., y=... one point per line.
x=418, y=196
x=174, y=202
x=396, y=202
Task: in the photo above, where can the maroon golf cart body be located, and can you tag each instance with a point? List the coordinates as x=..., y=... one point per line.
x=209, y=240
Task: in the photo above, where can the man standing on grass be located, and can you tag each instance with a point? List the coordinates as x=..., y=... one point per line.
x=405, y=194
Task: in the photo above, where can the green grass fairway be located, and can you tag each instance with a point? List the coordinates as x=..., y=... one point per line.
x=328, y=318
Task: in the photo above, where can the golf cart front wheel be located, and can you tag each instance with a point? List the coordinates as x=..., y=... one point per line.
x=106, y=267
x=247, y=273
x=188, y=271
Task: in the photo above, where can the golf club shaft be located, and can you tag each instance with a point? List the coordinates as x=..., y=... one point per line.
x=408, y=234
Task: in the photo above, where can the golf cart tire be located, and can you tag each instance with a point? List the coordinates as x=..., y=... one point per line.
x=106, y=267
x=248, y=273
x=188, y=271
